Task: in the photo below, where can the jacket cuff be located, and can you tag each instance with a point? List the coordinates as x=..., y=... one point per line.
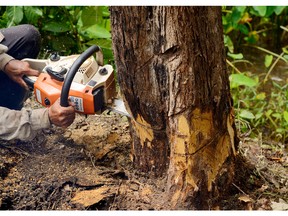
x=4, y=59
x=40, y=119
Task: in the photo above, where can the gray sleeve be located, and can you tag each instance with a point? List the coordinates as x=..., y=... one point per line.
x=4, y=58
x=23, y=124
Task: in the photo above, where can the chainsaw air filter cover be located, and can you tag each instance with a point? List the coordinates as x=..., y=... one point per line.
x=84, y=73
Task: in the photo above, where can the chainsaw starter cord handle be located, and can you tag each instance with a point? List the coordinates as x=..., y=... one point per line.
x=71, y=73
x=56, y=75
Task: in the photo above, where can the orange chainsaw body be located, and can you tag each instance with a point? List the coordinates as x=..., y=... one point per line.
x=47, y=90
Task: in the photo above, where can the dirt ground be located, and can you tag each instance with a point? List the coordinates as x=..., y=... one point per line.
x=88, y=167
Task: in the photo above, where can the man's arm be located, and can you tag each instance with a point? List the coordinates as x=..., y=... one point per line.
x=4, y=58
x=14, y=68
x=23, y=124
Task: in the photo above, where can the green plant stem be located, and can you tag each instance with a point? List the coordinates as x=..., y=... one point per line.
x=272, y=67
x=267, y=51
x=275, y=125
x=263, y=30
x=284, y=28
x=235, y=68
x=242, y=61
x=226, y=11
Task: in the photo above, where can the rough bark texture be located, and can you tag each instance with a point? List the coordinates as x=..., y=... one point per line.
x=172, y=73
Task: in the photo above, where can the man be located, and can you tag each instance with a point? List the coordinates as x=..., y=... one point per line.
x=16, y=122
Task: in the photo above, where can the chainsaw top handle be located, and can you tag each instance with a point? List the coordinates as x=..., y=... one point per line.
x=73, y=70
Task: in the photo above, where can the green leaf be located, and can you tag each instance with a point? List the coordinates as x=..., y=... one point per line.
x=103, y=43
x=284, y=49
x=269, y=11
x=105, y=11
x=280, y=130
x=246, y=114
x=235, y=17
x=97, y=31
x=108, y=25
x=278, y=9
x=56, y=27
x=240, y=9
x=32, y=14
x=277, y=115
x=252, y=38
x=285, y=116
x=235, y=56
x=224, y=20
x=228, y=43
x=14, y=15
x=268, y=60
x=240, y=79
x=269, y=112
x=108, y=56
x=261, y=10
x=89, y=17
x=261, y=96
x=258, y=115
x=243, y=29
x=63, y=43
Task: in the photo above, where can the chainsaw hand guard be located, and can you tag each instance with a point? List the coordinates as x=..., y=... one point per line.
x=73, y=70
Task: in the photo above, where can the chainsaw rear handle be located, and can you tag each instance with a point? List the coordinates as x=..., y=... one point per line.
x=71, y=74
x=29, y=82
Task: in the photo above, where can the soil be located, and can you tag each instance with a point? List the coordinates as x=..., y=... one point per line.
x=88, y=167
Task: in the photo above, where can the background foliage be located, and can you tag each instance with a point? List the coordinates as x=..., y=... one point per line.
x=260, y=101
x=260, y=91
x=65, y=29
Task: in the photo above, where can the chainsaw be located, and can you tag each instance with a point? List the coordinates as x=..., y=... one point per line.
x=82, y=79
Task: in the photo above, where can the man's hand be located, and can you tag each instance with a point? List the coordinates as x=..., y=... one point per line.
x=16, y=69
x=61, y=116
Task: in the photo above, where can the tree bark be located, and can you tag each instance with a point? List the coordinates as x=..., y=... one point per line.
x=172, y=73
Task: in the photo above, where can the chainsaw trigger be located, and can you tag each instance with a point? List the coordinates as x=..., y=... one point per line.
x=56, y=75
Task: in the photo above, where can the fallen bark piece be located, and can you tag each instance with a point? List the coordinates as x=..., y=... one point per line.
x=91, y=197
x=245, y=198
x=279, y=206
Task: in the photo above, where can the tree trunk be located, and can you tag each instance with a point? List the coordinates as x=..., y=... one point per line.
x=172, y=73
